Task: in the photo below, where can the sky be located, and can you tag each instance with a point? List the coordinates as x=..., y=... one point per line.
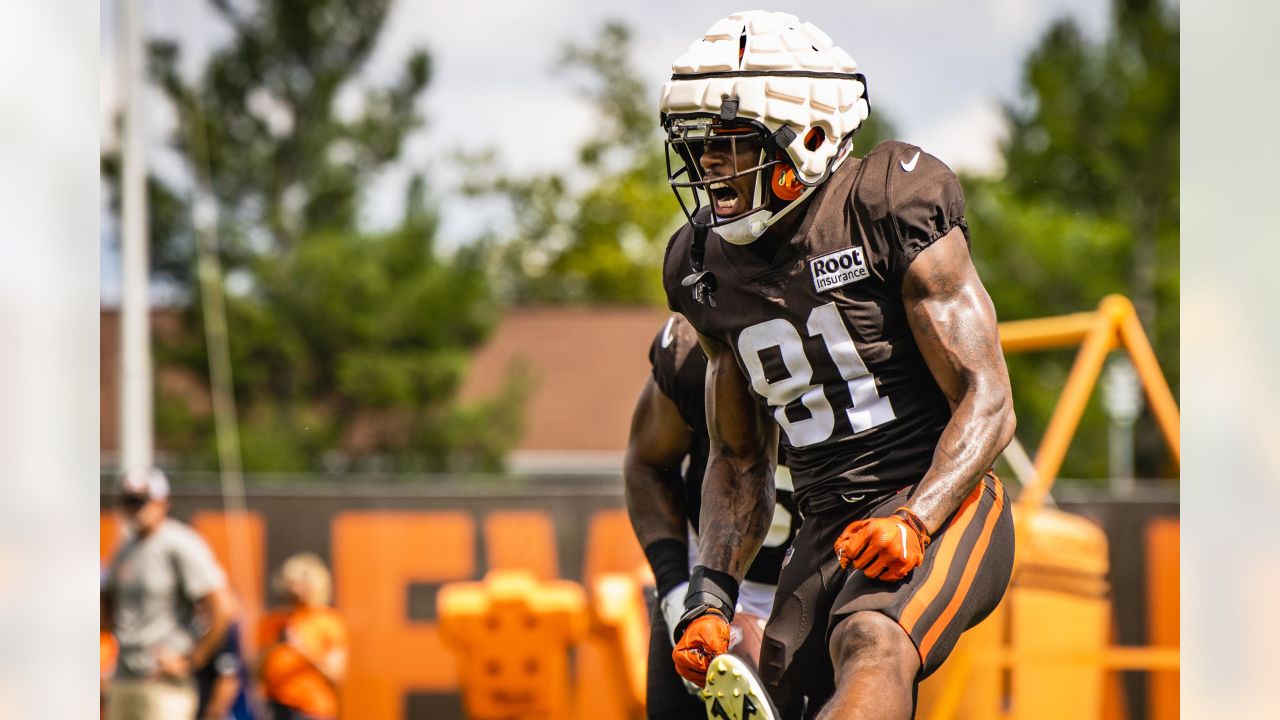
x=940, y=70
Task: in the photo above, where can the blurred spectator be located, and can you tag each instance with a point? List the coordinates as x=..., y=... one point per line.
x=160, y=578
x=305, y=646
x=223, y=683
x=108, y=650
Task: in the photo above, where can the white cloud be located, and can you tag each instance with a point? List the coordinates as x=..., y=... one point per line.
x=967, y=139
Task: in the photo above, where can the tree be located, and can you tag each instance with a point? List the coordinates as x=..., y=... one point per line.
x=1099, y=133
x=1088, y=205
x=597, y=232
x=348, y=346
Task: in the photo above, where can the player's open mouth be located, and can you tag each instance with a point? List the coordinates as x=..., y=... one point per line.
x=724, y=199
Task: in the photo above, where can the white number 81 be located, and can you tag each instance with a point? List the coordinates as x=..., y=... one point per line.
x=869, y=409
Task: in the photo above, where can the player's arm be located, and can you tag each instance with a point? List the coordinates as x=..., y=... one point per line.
x=217, y=606
x=658, y=443
x=954, y=324
x=106, y=610
x=222, y=697
x=738, y=491
x=737, y=506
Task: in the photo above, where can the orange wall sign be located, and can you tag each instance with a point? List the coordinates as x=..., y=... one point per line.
x=376, y=556
x=378, y=559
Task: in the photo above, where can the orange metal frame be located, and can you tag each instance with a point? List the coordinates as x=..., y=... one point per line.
x=1114, y=324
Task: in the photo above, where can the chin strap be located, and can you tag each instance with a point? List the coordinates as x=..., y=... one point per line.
x=702, y=281
x=758, y=228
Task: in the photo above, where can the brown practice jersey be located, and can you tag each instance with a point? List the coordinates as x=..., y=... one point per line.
x=820, y=331
x=680, y=371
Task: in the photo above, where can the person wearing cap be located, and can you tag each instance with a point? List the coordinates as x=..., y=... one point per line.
x=160, y=579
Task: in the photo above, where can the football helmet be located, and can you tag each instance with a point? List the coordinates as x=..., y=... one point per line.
x=761, y=99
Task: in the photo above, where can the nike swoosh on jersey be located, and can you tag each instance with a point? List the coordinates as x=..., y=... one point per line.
x=667, y=335
x=909, y=166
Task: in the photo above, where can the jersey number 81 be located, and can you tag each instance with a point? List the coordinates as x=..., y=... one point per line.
x=868, y=410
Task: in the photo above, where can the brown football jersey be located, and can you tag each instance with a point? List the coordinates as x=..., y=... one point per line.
x=680, y=371
x=820, y=331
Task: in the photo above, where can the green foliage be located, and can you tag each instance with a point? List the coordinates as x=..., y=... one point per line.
x=597, y=232
x=1088, y=205
x=348, y=347
x=1037, y=258
x=874, y=130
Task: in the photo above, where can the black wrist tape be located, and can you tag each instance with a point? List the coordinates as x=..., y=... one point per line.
x=712, y=588
x=669, y=559
x=710, y=591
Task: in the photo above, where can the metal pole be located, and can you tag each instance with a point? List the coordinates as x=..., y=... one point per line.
x=136, y=421
x=1075, y=395
x=1122, y=401
x=213, y=305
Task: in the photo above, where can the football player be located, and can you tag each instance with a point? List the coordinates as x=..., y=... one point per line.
x=838, y=306
x=668, y=433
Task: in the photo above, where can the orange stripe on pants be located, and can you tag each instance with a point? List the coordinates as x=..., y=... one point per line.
x=970, y=570
x=942, y=562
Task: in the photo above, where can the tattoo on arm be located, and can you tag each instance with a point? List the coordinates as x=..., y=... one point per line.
x=954, y=325
x=737, y=492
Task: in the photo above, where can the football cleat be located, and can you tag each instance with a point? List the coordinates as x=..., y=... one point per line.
x=734, y=692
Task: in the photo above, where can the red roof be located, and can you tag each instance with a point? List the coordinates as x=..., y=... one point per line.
x=588, y=365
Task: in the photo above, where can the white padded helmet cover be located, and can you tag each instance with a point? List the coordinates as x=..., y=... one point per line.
x=775, y=42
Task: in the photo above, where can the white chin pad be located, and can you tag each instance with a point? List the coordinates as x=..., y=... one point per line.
x=748, y=228
x=745, y=230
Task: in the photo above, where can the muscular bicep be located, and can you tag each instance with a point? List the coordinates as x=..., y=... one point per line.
x=659, y=437
x=652, y=485
x=739, y=427
x=953, y=320
x=737, y=492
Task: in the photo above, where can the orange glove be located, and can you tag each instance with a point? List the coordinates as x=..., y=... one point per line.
x=886, y=548
x=704, y=639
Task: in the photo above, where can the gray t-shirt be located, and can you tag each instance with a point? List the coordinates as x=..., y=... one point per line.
x=156, y=581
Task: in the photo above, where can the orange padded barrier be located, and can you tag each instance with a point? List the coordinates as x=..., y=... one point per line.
x=1060, y=607
x=376, y=556
x=611, y=546
x=620, y=628
x=512, y=634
